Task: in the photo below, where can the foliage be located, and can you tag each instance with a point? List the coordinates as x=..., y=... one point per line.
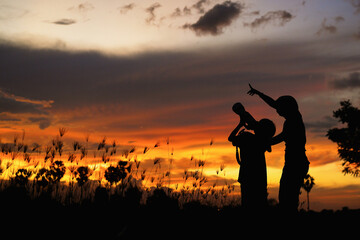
x=22, y=176
x=115, y=174
x=308, y=183
x=56, y=171
x=82, y=175
x=50, y=175
x=348, y=138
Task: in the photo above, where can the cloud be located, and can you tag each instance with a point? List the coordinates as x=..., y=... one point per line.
x=324, y=28
x=339, y=19
x=321, y=126
x=124, y=9
x=199, y=6
x=64, y=21
x=356, y=5
x=17, y=109
x=280, y=18
x=164, y=93
x=82, y=7
x=151, y=11
x=178, y=12
x=9, y=118
x=43, y=122
x=214, y=20
x=350, y=81
x=16, y=104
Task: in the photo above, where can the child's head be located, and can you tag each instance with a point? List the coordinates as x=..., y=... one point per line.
x=265, y=128
x=286, y=106
x=238, y=108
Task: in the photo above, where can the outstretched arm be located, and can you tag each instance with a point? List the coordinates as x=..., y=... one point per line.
x=277, y=139
x=267, y=99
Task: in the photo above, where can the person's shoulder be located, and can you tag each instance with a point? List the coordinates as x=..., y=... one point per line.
x=247, y=135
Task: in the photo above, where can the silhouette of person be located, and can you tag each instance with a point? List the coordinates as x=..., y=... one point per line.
x=252, y=173
x=296, y=162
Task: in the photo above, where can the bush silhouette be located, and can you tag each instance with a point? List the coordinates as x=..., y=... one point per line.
x=56, y=172
x=82, y=175
x=22, y=176
x=115, y=174
x=52, y=175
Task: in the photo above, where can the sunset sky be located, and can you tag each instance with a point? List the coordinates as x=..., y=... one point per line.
x=141, y=72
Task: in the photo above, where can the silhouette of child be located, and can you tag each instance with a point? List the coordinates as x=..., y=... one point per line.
x=252, y=173
x=296, y=162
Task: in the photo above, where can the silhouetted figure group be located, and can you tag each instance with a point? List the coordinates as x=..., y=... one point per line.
x=252, y=147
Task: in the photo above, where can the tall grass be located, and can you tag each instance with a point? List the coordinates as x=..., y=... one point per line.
x=74, y=172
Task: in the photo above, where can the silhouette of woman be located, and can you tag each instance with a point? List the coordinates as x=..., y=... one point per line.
x=296, y=162
x=252, y=173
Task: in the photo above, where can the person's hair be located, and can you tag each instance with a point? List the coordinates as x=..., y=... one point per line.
x=287, y=104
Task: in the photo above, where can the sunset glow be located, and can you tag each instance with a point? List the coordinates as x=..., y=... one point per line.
x=143, y=73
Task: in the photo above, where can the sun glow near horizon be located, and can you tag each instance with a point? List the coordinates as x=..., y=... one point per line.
x=141, y=72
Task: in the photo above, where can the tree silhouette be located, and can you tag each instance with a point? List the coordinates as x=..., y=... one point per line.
x=307, y=186
x=348, y=138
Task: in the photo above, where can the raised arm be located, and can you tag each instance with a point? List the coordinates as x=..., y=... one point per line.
x=233, y=134
x=249, y=120
x=267, y=99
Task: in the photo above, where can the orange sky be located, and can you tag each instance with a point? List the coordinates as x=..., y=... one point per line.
x=325, y=165
x=142, y=72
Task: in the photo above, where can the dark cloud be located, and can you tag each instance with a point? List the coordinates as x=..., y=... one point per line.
x=326, y=28
x=16, y=109
x=151, y=11
x=43, y=122
x=124, y=9
x=64, y=21
x=141, y=89
x=351, y=81
x=280, y=18
x=8, y=118
x=214, y=20
x=321, y=126
x=14, y=104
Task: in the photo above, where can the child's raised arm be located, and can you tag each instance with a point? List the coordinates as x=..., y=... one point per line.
x=249, y=120
x=267, y=99
x=233, y=134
